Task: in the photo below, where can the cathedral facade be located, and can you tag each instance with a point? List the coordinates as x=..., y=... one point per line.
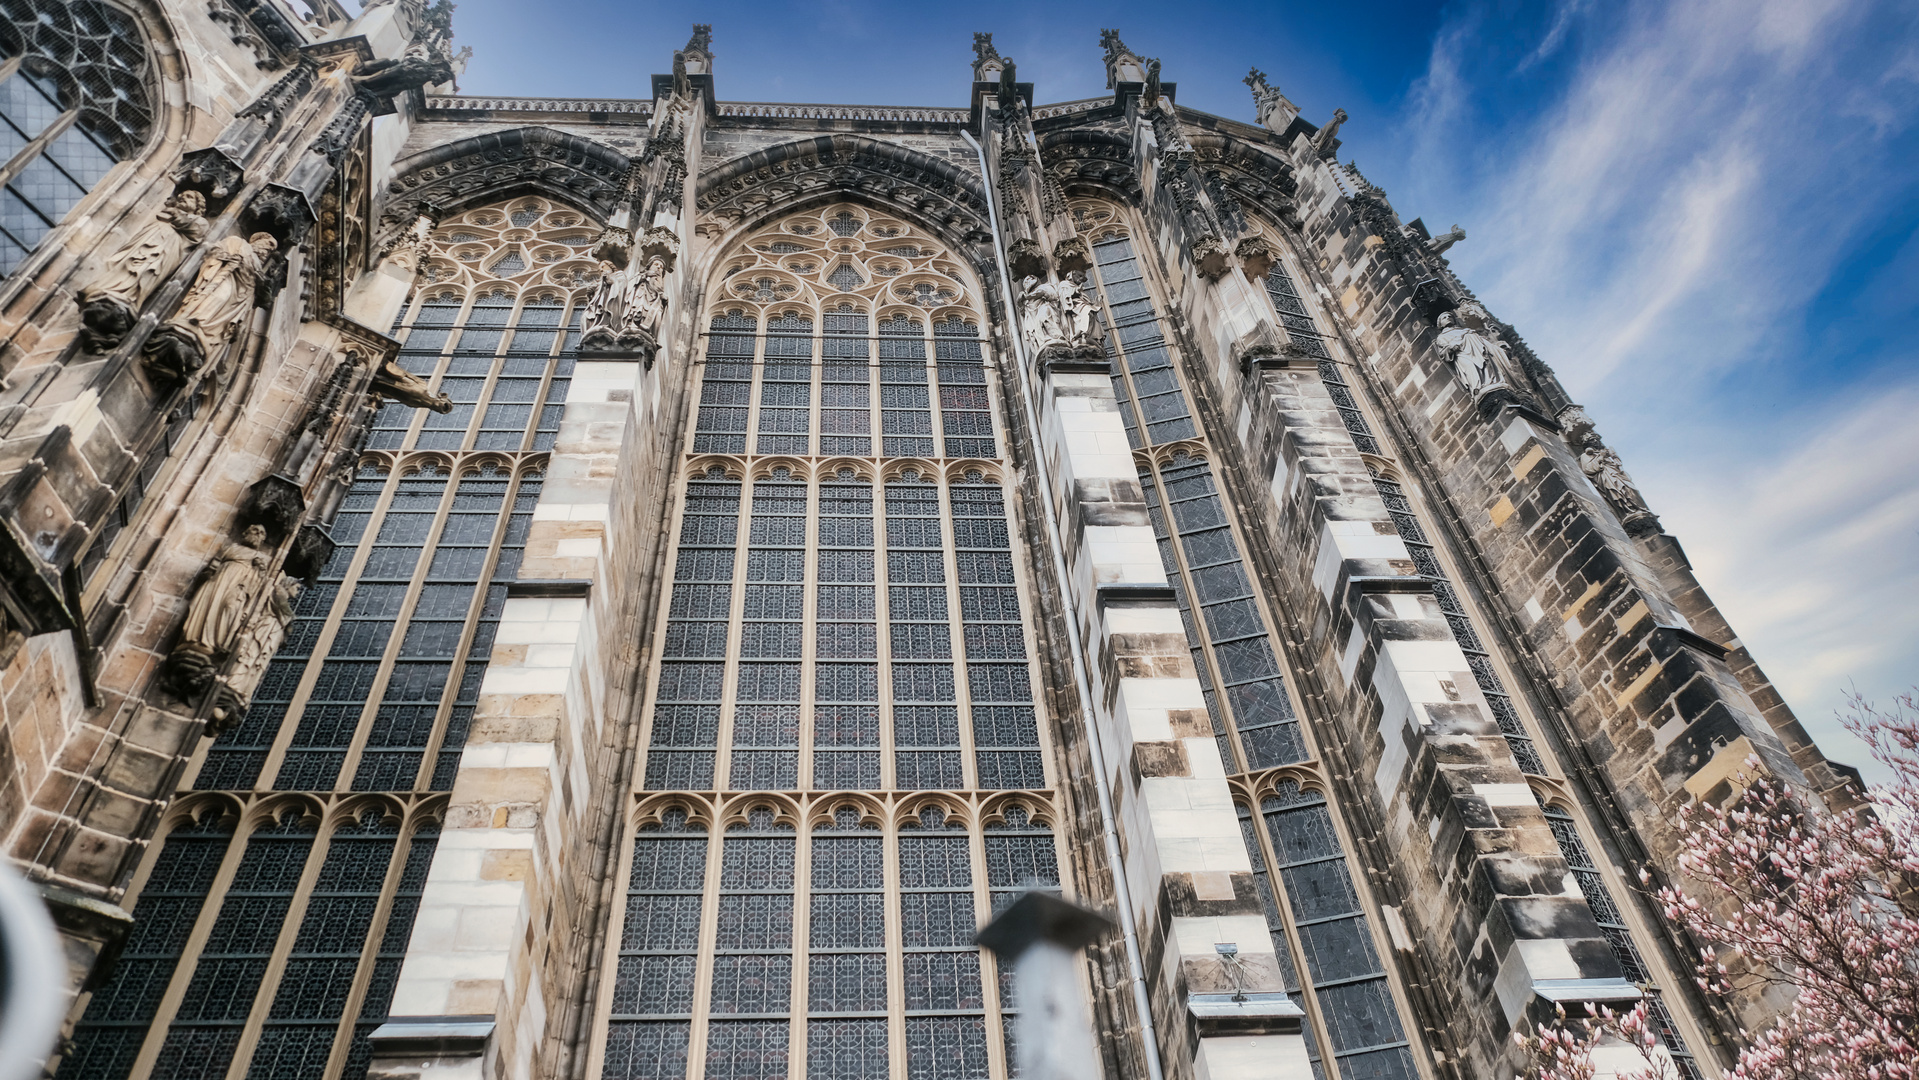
x=601, y=589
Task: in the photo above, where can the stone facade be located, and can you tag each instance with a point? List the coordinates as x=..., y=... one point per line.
x=442, y=634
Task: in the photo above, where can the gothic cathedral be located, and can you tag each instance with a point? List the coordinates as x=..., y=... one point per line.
x=562, y=589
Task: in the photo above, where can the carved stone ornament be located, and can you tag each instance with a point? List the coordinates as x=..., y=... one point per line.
x=1438, y=245
x=624, y=314
x=1025, y=259
x=1058, y=320
x=410, y=246
x=1273, y=108
x=253, y=650
x=312, y=549
x=417, y=69
x=1071, y=255
x=111, y=299
x=662, y=243
x=276, y=504
x=1607, y=473
x=396, y=383
x=1211, y=257
x=219, y=610
x=614, y=247
x=1326, y=139
x=1478, y=360
x=215, y=307
x=1256, y=256
x=212, y=172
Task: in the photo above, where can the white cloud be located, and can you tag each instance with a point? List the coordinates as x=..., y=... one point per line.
x=1659, y=230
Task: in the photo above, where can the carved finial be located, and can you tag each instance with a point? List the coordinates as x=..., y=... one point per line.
x=1123, y=65
x=702, y=39
x=1109, y=40
x=987, y=62
x=983, y=49
x=1257, y=80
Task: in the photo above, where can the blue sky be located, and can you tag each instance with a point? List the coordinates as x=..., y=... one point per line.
x=1703, y=213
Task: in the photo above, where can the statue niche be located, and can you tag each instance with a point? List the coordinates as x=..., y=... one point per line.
x=1602, y=466
x=1058, y=319
x=218, y=613
x=111, y=299
x=222, y=296
x=624, y=314
x=1479, y=361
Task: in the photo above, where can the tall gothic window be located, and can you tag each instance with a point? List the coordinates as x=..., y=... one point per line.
x=196, y=993
x=843, y=702
x=375, y=687
x=1324, y=932
x=75, y=98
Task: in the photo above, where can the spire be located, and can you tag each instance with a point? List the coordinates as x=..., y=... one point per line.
x=1123, y=65
x=1272, y=107
x=987, y=62
x=698, y=54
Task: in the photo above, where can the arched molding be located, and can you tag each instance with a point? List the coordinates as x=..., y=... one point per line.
x=906, y=813
x=1091, y=161
x=1552, y=792
x=195, y=807
x=499, y=166
x=420, y=461
x=1192, y=449
x=988, y=473
x=1039, y=810
x=472, y=464
x=821, y=809
x=382, y=460
x=895, y=180
x=651, y=809
x=430, y=811
x=895, y=471
x=533, y=465
x=274, y=807
x=863, y=471
x=737, y=811
x=348, y=810
x=698, y=467
x=1382, y=468
x=1265, y=784
x=1255, y=175
x=798, y=471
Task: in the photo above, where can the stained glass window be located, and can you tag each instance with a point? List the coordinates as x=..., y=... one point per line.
x=1148, y=388
x=76, y=97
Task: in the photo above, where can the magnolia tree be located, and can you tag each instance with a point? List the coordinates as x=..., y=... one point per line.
x=1821, y=907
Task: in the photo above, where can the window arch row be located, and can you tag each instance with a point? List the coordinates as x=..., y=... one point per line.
x=758, y=467
x=270, y=929
x=830, y=928
x=810, y=641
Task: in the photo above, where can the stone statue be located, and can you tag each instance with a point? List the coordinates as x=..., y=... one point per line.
x=111, y=299
x=1041, y=318
x=221, y=298
x=1478, y=360
x=1078, y=310
x=1603, y=467
x=1438, y=245
x=417, y=69
x=252, y=651
x=645, y=301
x=605, y=309
x=1325, y=137
x=219, y=609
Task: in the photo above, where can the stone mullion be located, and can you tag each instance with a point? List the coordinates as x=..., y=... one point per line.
x=935, y=412
x=442, y=368
x=463, y=658
x=883, y=634
x=736, y=623
x=323, y=643
x=983, y=914
x=408, y=601
x=962, y=663
x=895, y=939
x=709, y=935
x=269, y=987
x=798, y=991
x=803, y=778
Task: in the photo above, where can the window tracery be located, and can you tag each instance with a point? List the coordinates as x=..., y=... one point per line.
x=76, y=98
x=823, y=654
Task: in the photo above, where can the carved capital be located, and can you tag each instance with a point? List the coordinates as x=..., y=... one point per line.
x=1072, y=254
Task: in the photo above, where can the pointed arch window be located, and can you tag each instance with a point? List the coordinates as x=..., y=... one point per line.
x=75, y=99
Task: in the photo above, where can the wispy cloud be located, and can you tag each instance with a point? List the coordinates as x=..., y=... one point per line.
x=1661, y=226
